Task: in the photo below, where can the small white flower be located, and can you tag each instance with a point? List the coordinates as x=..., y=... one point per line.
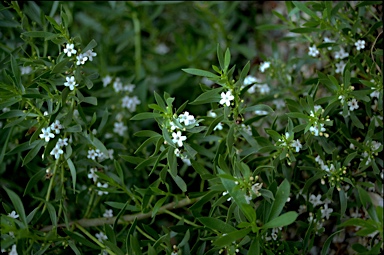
x=92, y=154
x=101, y=237
x=341, y=54
x=178, y=138
x=13, y=250
x=297, y=145
x=110, y=153
x=375, y=93
x=71, y=82
x=264, y=66
x=46, y=134
x=326, y=212
x=69, y=49
x=13, y=214
x=130, y=103
x=340, y=67
x=90, y=54
x=177, y=152
x=161, y=49
x=45, y=113
x=118, y=85
x=92, y=174
x=315, y=200
x=187, y=118
x=81, y=59
x=119, y=128
x=218, y=127
x=25, y=70
x=264, y=89
x=225, y=193
x=256, y=187
x=250, y=80
x=313, y=51
x=360, y=44
x=352, y=146
x=342, y=99
x=226, y=98
x=353, y=104
x=212, y=114
x=186, y=161
x=248, y=199
x=56, y=151
x=56, y=126
x=327, y=40
x=108, y=213
x=280, y=104
x=100, y=192
x=129, y=88
x=106, y=80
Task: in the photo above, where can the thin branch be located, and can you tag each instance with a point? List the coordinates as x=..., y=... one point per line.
x=126, y=218
x=373, y=59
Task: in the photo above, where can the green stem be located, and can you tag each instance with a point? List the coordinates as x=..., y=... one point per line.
x=94, y=239
x=136, y=26
x=89, y=205
x=50, y=187
x=149, y=237
x=181, y=218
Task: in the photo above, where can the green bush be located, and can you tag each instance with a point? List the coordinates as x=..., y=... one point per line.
x=161, y=127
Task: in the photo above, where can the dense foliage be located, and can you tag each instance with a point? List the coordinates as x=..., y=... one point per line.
x=171, y=127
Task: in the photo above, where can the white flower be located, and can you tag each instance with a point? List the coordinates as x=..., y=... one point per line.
x=129, y=88
x=81, y=59
x=92, y=174
x=130, y=103
x=45, y=113
x=100, y=192
x=178, y=138
x=187, y=118
x=13, y=250
x=250, y=79
x=71, y=83
x=313, y=51
x=207, y=82
x=226, y=98
x=352, y=146
x=353, y=105
x=248, y=199
x=326, y=212
x=110, y=153
x=360, y=44
x=119, y=128
x=315, y=200
x=218, y=127
x=177, y=152
x=92, y=154
x=375, y=93
x=297, y=145
x=225, y=193
x=6, y=109
x=327, y=40
x=13, y=214
x=264, y=89
x=375, y=145
x=340, y=67
x=264, y=66
x=342, y=99
x=256, y=187
x=57, y=151
x=108, y=213
x=341, y=54
x=106, y=80
x=187, y=161
x=118, y=85
x=212, y=114
x=25, y=70
x=46, y=134
x=101, y=237
x=161, y=49
x=69, y=49
x=279, y=103
x=56, y=126
x=90, y=54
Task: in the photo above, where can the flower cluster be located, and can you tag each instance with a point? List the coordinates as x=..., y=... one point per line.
x=82, y=57
x=334, y=172
x=287, y=141
x=317, y=122
x=57, y=150
x=263, y=89
x=50, y=131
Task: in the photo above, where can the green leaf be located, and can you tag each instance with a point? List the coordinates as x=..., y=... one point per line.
x=281, y=197
x=343, y=202
x=200, y=72
x=217, y=224
x=231, y=237
x=364, y=197
x=304, y=30
x=283, y=220
x=146, y=115
x=32, y=153
x=72, y=244
x=52, y=213
x=61, y=66
x=180, y=183
x=39, y=34
x=73, y=173
x=327, y=243
x=74, y=129
x=19, y=207
x=92, y=44
x=157, y=206
x=227, y=59
x=302, y=7
x=259, y=107
x=209, y=96
x=33, y=180
x=81, y=239
x=17, y=75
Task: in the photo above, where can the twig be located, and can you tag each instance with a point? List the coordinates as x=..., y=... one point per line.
x=373, y=59
x=126, y=218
